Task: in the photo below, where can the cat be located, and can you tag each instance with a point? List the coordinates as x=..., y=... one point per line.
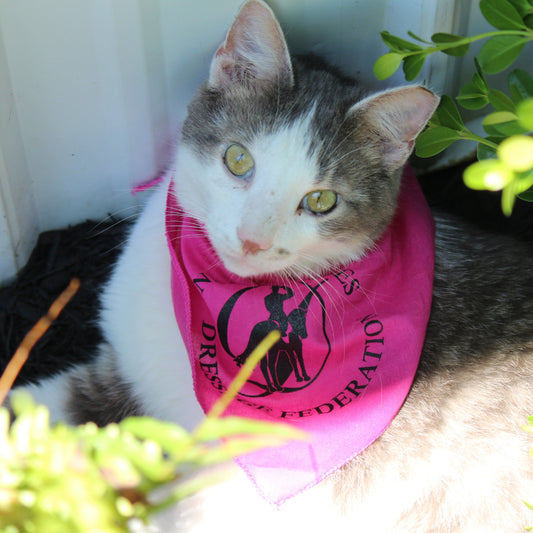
x=293, y=170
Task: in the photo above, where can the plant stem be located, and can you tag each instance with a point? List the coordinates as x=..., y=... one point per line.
x=36, y=332
x=246, y=371
x=468, y=135
x=528, y=34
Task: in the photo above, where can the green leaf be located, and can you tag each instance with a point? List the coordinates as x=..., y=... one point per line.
x=471, y=98
x=164, y=433
x=448, y=114
x=415, y=36
x=525, y=114
x=529, y=506
x=479, y=83
x=500, y=52
x=433, y=122
x=529, y=429
x=480, y=72
x=520, y=85
x=528, y=197
x=489, y=174
x=442, y=37
x=500, y=101
x=522, y=6
x=508, y=199
x=524, y=182
x=456, y=51
x=501, y=14
x=434, y=140
x=528, y=21
x=447, y=38
x=412, y=65
x=516, y=152
x=397, y=44
x=21, y=402
x=486, y=152
x=387, y=65
x=502, y=123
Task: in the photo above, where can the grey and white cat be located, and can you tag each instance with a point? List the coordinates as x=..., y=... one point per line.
x=455, y=457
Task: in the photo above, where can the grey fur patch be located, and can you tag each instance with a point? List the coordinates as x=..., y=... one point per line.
x=471, y=394
x=97, y=393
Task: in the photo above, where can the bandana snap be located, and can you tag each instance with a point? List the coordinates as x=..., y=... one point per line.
x=349, y=348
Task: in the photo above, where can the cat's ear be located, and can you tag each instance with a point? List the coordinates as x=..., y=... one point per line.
x=254, y=53
x=393, y=119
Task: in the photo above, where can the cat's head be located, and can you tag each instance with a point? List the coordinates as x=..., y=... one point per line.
x=286, y=164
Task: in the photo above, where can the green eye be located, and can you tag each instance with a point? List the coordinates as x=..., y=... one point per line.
x=238, y=160
x=320, y=202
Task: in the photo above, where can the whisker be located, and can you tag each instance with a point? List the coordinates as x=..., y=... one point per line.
x=115, y=223
x=335, y=135
x=337, y=160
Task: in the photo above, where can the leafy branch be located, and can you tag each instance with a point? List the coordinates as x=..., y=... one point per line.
x=80, y=479
x=86, y=479
x=512, y=18
x=504, y=156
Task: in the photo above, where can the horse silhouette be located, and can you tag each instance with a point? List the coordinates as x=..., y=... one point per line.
x=298, y=332
x=274, y=367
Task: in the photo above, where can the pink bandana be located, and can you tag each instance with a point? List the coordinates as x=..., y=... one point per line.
x=350, y=344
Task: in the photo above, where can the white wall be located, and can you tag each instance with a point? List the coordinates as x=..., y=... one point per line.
x=92, y=91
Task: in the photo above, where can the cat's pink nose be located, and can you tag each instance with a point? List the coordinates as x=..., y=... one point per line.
x=251, y=247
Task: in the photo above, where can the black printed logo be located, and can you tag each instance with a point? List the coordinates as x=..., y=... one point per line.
x=290, y=365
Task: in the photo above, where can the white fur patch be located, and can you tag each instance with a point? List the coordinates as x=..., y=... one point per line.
x=265, y=208
x=138, y=320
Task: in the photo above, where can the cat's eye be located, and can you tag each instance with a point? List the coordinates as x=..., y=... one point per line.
x=320, y=202
x=238, y=161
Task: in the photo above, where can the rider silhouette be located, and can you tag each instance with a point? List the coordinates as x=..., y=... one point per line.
x=286, y=356
x=274, y=304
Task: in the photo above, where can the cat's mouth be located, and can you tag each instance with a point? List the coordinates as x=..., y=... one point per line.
x=271, y=263
x=282, y=263
x=253, y=265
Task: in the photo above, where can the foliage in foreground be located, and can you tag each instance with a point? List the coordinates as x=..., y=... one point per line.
x=505, y=153
x=89, y=479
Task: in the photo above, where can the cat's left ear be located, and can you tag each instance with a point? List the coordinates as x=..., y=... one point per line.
x=254, y=53
x=393, y=119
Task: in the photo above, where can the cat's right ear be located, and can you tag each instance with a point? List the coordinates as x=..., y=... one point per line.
x=391, y=120
x=254, y=53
